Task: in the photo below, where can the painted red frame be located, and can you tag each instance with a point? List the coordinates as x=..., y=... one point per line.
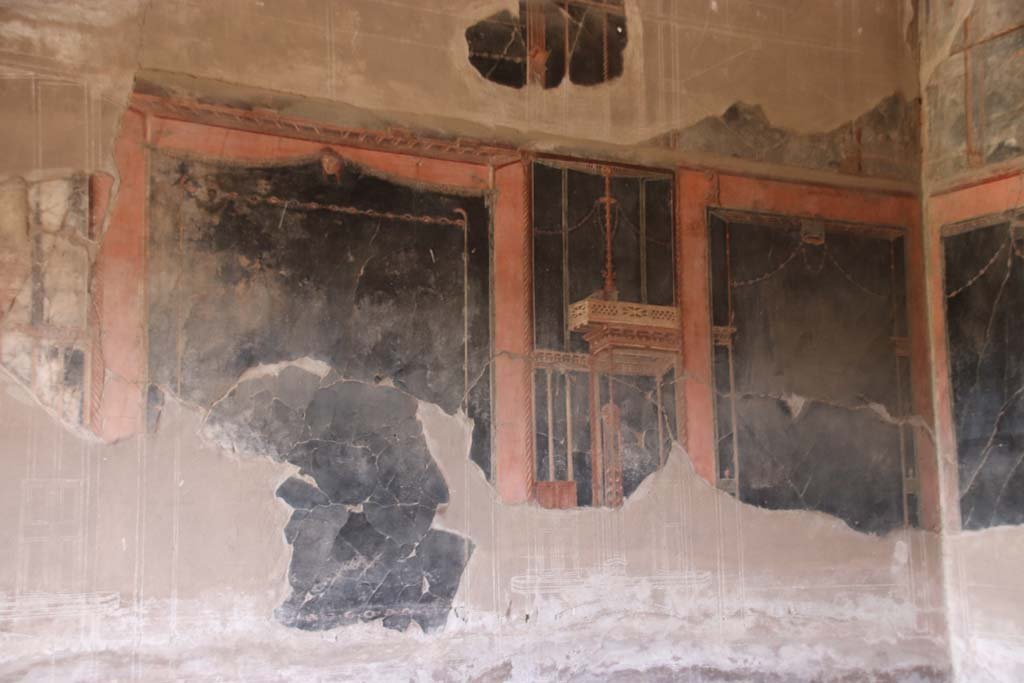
x=118, y=365
x=699, y=191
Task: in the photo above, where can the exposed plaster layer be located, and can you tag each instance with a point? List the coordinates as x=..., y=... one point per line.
x=812, y=68
x=681, y=582
x=46, y=250
x=884, y=142
x=988, y=602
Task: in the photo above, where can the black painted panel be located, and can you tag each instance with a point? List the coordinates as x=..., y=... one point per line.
x=239, y=282
x=812, y=320
x=497, y=48
x=813, y=365
x=842, y=462
x=723, y=414
x=559, y=424
x=364, y=500
x=253, y=266
x=984, y=283
x=589, y=33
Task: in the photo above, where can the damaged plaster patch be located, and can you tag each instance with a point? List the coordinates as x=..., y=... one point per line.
x=363, y=546
x=880, y=143
x=45, y=258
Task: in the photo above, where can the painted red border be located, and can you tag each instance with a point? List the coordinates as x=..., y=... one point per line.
x=698, y=191
x=118, y=320
x=986, y=198
x=118, y=293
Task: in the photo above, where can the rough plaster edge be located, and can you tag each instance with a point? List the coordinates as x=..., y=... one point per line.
x=429, y=413
x=25, y=395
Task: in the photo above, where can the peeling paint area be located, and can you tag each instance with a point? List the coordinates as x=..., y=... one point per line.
x=681, y=582
x=882, y=143
x=46, y=251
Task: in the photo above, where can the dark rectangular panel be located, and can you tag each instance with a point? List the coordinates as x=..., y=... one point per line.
x=843, y=462
x=984, y=284
x=813, y=309
x=478, y=328
x=813, y=320
x=384, y=296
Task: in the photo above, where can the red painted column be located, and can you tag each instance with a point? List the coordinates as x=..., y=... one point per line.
x=695, y=191
x=924, y=381
x=118, y=363
x=513, y=335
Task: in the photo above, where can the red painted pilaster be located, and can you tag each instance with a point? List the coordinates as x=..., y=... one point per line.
x=696, y=191
x=117, y=292
x=513, y=335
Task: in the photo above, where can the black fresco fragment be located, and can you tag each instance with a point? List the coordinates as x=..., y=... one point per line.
x=367, y=491
x=806, y=367
x=236, y=282
x=882, y=142
x=984, y=282
x=249, y=269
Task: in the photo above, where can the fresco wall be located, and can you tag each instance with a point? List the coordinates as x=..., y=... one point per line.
x=368, y=349
x=387, y=287
x=970, y=86
x=812, y=369
x=338, y=326
x=983, y=289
